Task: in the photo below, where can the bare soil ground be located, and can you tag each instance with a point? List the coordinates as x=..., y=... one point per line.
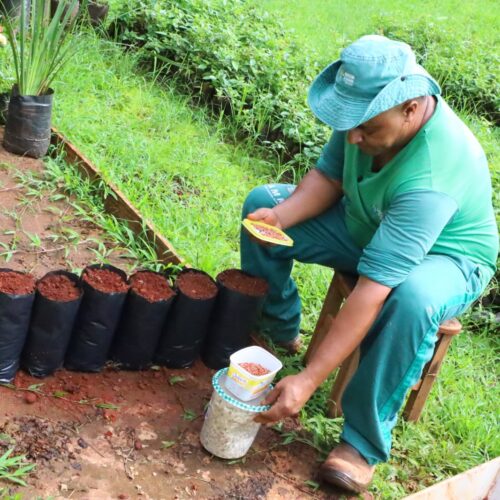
x=119, y=434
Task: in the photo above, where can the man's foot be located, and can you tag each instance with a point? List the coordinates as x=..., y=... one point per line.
x=347, y=469
x=291, y=346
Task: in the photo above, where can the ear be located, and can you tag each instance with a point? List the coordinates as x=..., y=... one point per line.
x=409, y=109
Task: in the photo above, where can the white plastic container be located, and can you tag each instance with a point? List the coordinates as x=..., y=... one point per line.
x=243, y=384
x=229, y=429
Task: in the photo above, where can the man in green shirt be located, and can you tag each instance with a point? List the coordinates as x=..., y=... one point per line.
x=401, y=196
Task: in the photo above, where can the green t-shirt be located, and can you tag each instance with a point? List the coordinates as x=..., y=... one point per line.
x=433, y=197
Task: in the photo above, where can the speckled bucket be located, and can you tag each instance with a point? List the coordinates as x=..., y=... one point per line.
x=229, y=429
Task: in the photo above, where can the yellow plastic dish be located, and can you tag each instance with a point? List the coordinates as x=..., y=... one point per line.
x=266, y=232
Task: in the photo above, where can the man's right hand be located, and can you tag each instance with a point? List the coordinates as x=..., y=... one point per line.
x=267, y=215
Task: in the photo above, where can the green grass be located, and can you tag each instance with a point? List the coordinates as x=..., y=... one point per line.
x=318, y=24
x=14, y=468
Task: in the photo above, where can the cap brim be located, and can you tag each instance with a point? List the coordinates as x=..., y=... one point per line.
x=401, y=89
x=332, y=107
x=345, y=113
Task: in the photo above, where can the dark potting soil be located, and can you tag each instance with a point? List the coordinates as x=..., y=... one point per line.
x=16, y=283
x=105, y=280
x=58, y=287
x=240, y=282
x=196, y=285
x=151, y=286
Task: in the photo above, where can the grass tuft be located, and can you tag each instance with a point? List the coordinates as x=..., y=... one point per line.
x=14, y=468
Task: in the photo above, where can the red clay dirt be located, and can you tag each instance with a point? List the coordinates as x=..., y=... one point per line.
x=58, y=287
x=196, y=285
x=15, y=283
x=119, y=434
x=105, y=280
x=98, y=436
x=151, y=286
x=238, y=281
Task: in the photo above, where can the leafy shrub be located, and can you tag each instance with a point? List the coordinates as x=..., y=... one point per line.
x=236, y=58
x=467, y=70
x=244, y=64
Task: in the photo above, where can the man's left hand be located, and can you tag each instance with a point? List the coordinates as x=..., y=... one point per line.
x=287, y=398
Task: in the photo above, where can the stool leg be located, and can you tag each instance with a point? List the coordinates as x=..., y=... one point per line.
x=331, y=306
x=343, y=377
x=418, y=395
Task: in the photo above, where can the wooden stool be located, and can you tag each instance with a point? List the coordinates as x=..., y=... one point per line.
x=340, y=288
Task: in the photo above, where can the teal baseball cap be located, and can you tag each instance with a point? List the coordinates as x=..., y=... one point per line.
x=372, y=75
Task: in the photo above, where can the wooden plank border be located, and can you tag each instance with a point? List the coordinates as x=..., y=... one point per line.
x=118, y=204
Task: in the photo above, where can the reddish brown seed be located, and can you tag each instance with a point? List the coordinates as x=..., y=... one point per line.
x=270, y=233
x=255, y=369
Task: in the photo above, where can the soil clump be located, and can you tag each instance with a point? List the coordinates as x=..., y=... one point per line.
x=105, y=281
x=196, y=285
x=238, y=281
x=58, y=287
x=14, y=283
x=151, y=286
x=38, y=438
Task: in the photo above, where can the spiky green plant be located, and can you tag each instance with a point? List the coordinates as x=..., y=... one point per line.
x=14, y=468
x=40, y=43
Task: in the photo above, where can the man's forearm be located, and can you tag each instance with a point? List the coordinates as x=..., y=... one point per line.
x=348, y=329
x=312, y=197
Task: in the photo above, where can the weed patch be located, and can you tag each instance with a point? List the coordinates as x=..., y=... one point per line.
x=235, y=58
x=467, y=70
x=13, y=468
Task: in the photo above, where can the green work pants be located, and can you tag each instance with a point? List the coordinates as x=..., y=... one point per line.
x=401, y=340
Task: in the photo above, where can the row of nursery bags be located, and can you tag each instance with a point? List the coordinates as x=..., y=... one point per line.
x=81, y=322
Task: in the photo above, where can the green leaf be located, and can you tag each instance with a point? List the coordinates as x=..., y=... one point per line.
x=59, y=394
x=167, y=444
x=312, y=484
x=35, y=387
x=189, y=415
x=237, y=461
x=175, y=379
x=107, y=406
x=290, y=438
x=6, y=438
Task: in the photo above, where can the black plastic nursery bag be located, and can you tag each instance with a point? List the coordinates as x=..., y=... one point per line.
x=95, y=326
x=15, y=313
x=27, y=128
x=232, y=322
x=139, y=330
x=186, y=329
x=50, y=330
